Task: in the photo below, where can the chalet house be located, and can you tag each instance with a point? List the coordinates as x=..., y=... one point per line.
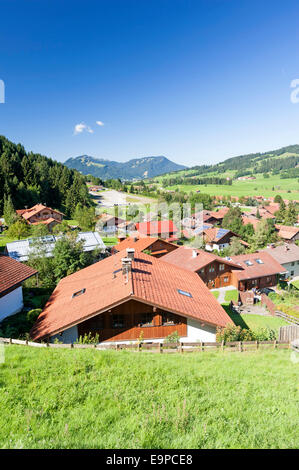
x=272, y=207
x=251, y=219
x=219, y=238
x=256, y=270
x=211, y=217
x=152, y=245
x=40, y=214
x=12, y=274
x=165, y=229
x=264, y=213
x=287, y=233
x=214, y=271
x=121, y=299
x=204, y=217
x=109, y=223
x=288, y=256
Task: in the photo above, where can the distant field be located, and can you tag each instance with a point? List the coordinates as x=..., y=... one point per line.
x=261, y=186
x=108, y=399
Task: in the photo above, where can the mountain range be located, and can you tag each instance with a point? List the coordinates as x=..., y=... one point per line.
x=137, y=168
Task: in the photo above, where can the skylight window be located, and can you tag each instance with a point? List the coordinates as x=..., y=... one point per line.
x=183, y=292
x=259, y=261
x=248, y=262
x=79, y=292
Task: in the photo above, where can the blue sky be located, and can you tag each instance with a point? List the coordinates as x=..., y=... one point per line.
x=196, y=81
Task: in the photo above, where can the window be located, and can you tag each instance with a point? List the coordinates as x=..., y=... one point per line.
x=225, y=280
x=248, y=262
x=259, y=261
x=118, y=321
x=292, y=273
x=268, y=279
x=146, y=319
x=221, y=267
x=183, y=292
x=211, y=269
x=293, y=263
x=169, y=319
x=79, y=292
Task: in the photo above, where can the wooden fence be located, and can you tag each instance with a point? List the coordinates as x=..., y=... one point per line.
x=233, y=346
x=288, y=333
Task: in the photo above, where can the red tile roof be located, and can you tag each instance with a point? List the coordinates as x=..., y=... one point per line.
x=183, y=257
x=12, y=273
x=28, y=213
x=151, y=280
x=268, y=267
x=156, y=227
x=286, y=232
x=140, y=244
x=273, y=207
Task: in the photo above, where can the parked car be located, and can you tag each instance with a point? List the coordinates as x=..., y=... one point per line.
x=265, y=290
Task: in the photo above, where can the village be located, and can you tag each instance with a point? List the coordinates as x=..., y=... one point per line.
x=157, y=279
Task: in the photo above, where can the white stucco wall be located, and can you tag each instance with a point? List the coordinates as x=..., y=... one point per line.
x=11, y=303
x=68, y=336
x=290, y=268
x=196, y=332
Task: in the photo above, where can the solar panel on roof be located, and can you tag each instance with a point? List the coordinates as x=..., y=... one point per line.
x=221, y=232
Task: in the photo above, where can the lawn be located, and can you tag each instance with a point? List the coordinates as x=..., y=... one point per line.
x=256, y=322
x=3, y=240
x=232, y=294
x=215, y=293
x=109, y=399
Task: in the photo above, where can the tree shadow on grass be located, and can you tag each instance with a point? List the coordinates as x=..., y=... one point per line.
x=236, y=317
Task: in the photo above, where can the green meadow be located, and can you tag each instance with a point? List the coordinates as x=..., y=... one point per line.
x=54, y=398
x=259, y=187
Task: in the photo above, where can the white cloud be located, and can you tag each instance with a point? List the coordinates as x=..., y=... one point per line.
x=100, y=123
x=79, y=128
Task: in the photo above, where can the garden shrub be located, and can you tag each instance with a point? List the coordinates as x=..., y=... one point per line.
x=172, y=338
x=236, y=333
x=33, y=314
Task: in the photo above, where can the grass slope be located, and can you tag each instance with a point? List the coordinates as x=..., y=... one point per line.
x=108, y=399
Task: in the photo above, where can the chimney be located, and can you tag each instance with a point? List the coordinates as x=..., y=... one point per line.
x=126, y=264
x=194, y=253
x=135, y=239
x=130, y=253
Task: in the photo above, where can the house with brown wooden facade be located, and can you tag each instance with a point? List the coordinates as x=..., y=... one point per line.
x=127, y=296
x=257, y=270
x=214, y=271
x=41, y=214
x=219, y=238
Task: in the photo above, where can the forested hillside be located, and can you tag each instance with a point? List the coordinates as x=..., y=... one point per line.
x=29, y=178
x=283, y=161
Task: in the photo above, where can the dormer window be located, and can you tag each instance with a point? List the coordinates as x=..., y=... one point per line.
x=259, y=261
